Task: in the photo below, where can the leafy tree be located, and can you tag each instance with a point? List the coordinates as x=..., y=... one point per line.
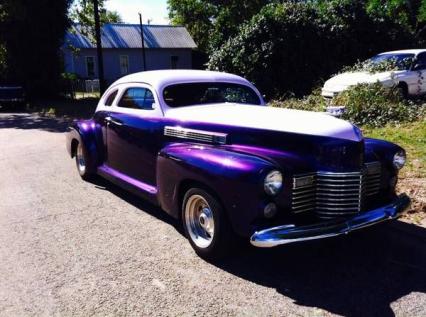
x=196, y=16
x=3, y=55
x=408, y=13
x=280, y=49
x=355, y=34
x=82, y=13
x=212, y=22
x=31, y=33
x=289, y=47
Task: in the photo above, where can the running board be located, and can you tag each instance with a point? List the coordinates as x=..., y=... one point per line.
x=107, y=171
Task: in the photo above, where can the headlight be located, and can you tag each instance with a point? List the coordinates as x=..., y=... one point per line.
x=399, y=159
x=273, y=182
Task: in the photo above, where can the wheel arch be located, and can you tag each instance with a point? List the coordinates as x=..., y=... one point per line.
x=186, y=184
x=404, y=86
x=74, y=144
x=86, y=133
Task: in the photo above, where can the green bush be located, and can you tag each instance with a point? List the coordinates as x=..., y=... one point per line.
x=375, y=105
x=365, y=104
x=312, y=102
x=291, y=46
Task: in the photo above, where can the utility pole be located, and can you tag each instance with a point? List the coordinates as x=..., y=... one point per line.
x=143, y=42
x=99, y=47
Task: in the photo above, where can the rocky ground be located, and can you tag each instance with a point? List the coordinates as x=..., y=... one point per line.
x=415, y=187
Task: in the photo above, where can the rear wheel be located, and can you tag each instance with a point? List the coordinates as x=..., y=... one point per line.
x=206, y=225
x=403, y=90
x=82, y=162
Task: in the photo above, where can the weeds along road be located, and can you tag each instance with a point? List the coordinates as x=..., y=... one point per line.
x=69, y=247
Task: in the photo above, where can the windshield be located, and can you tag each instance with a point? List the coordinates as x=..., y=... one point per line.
x=394, y=61
x=188, y=94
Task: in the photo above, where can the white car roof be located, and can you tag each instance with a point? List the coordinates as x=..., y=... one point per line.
x=159, y=79
x=411, y=51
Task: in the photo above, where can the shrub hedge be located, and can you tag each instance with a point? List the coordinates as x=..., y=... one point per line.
x=365, y=104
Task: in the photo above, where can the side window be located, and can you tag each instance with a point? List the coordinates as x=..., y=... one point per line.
x=110, y=98
x=124, y=64
x=421, y=62
x=149, y=99
x=137, y=98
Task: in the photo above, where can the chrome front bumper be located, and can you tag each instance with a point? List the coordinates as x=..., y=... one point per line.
x=290, y=233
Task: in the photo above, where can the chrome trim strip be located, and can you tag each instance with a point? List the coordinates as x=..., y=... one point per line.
x=106, y=170
x=290, y=233
x=197, y=135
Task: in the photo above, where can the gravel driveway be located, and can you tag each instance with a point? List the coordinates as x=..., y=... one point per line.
x=69, y=247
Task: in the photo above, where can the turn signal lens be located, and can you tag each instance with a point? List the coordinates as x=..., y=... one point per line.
x=270, y=210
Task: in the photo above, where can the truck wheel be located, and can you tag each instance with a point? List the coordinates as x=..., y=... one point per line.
x=206, y=225
x=82, y=162
x=403, y=90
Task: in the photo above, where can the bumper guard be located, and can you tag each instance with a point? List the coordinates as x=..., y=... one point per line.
x=290, y=233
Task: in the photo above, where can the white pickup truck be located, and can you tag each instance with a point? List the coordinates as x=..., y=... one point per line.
x=408, y=73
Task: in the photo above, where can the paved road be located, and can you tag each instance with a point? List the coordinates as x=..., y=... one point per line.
x=68, y=247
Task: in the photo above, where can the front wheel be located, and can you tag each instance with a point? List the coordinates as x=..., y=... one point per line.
x=206, y=225
x=82, y=162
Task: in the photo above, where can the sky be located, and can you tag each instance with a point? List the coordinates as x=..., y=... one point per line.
x=155, y=10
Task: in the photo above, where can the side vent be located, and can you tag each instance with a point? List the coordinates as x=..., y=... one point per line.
x=196, y=135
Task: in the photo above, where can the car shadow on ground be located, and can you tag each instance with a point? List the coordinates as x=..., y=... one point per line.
x=27, y=121
x=361, y=274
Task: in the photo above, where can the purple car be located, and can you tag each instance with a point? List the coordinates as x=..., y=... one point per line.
x=205, y=148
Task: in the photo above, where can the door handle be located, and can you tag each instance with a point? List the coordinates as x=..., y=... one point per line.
x=112, y=121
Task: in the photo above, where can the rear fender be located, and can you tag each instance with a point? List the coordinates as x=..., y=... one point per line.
x=90, y=135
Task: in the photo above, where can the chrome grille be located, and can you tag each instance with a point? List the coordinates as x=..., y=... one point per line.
x=338, y=194
x=371, y=185
x=334, y=194
x=304, y=196
x=197, y=135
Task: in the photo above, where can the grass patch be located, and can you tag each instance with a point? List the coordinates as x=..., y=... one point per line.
x=412, y=137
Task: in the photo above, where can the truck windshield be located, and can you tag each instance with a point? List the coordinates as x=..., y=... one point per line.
x=189, y=94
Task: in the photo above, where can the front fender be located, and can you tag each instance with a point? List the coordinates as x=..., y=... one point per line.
x=87, y=133
x=235, y=178
x=381, y=150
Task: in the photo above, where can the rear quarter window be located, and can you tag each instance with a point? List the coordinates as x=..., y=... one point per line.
x=110, y=99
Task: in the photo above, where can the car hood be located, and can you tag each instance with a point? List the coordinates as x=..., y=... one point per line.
x=342, y=81
x=268, y=118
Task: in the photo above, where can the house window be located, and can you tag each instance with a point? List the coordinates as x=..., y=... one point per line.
x=90, y=66
x=174, y=61
x=124, y=64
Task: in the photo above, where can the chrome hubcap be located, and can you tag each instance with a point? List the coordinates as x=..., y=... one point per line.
x=199, y=221
x=81, y=163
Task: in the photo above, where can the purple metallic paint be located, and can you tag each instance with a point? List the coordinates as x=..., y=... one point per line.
x=240, y=190
x=139, y=154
